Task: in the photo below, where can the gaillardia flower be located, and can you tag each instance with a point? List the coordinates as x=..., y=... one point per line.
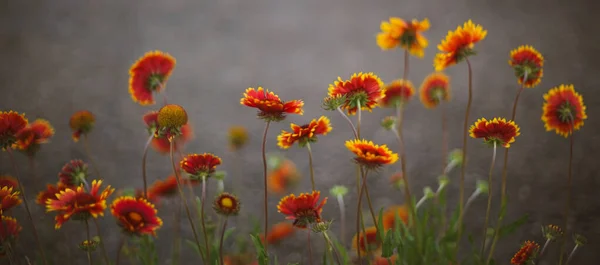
x=564, y=111
x=200, y=166
x=371, y=155
x=391, y=214
x=282, y=176
x=73, y=173
x=407, y=35
x=435, y=89
x=11, y=123
x=397, y=93
x=270, y=106
x=50, y=192
x=527, y=59
x=279, y=232
x=170, y=119
x=238, y=137
x=149, y=74
x=364, y=89
x=9, y=198
x=167, y=187
x=81, y=123
x=36, y=133
x=136, y=215
x=498, y=131
x=226, y=204
x=304, y=209
x=366, y=241
x=304, y=134
x=79, y=204
x=160, y=143
x=458, y=45
x=8, y=181
x=9, y=229
x=527, y=252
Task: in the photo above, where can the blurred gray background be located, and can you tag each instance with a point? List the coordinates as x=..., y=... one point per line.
x=63, y=56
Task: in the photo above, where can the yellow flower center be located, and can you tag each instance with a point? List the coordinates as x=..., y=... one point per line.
x=172, y=116
x=135, y=217
x=227, y=202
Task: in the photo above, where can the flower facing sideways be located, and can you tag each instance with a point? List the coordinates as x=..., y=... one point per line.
x=149, y=74
x=270, y=107
x=304, y=209
x=136, y=215
x=367, y=241
x=527, y=59
x=50, y=192
x=304, y=134
x=160, y=143
x=9, y=229
x=405, y=34
x=458, y=45
x=31, y=137
x=8, y=181
x=200, y=166
x=371, y=155
x=435, y=89
x=73, y=173
x=11, y=123
x=563, y=110
x=9, y=198
x=397, y=93
x=526, y=253
x=81, y=123
x=364, y=89
x=498, y=131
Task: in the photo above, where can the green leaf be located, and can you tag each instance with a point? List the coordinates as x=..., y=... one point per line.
x=324, y=261
x=512, y=227
x=194, y=246
x=388, y=245
x=379, y=224
x=263, y=258
x=341, y=250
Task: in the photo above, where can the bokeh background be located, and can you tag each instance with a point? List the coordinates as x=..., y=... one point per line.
x=63, y=56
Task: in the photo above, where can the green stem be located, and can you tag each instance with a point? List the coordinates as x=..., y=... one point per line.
x=489, y=202
x=400, y=137
x=221, y=241
x=568, y=188
x=310, y=256
x=176, y=235
x=340, y=200
x=266, y=197
x=354, y=131
x=364, y=173
x=539, y=255
x=310, y=165
x=88, y=251
x=203, y=222
x=332, y=247
x=104, y=253
x=571, y=255
x=444, y=138
x=144, y=156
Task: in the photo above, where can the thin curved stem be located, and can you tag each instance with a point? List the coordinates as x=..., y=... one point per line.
x=88, y=151
x=144, y=156
x=203, y=222
x=176, y=235
x=266, y=198
x=310, y=256
x=568, y=188
x=489, y=202
x=405, y=72
x=358, y=218
x=26, y=203
x=221, y=241
x=310, y=165
x=340, y=200
x=354, y=131
x=400, y=137
x=184, y=201
x=88, y=252
x=571, y=255
x=332, y=247
x=444, y=138
x=102, y=247
x=541, y=253
x=364, y=179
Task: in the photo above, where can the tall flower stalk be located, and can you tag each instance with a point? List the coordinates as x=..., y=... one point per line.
x=339, y=192
x=489, y=201
x=89, y=239
x=265, y=181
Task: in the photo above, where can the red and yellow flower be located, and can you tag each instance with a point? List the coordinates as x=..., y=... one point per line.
x=435, y=89
x=391, y=214
x=304, y=209
x=11, y=123
x=81, y=123
x=458, y=45
x=527, y=59
x=397, y=93
x=405, y=34
x=8, y=181
x=364, y=89
x=282, y=176
x=563, y=110
x=278, y=232
x=9, y=229
x=149, y=74
x=497, y=131
x=270, y=106
x=79, y=204
x=167, y=187
x=367, y=241
x=238, y=137
x=226, y=204
x=200, y=165
x=9, y=198
x=304, y=134
x=36, y=133
x=384, y=261
x=73, y=173
x=371, y=155
x=160, y=143
x=525, y=254
x=50, y=192
x=136, y=215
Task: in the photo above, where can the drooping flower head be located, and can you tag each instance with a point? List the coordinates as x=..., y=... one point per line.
x=9, y=230
x=200, y=166
x=527, y=59
x=435, y=89
x=304, y=134
x=304, y=209
x=371, y=155
x=8, y=181
x=81, y=123
x=405, y=34
x=170, y=119
x=50, y=192
x=31, y=137
x=11, y=123
x=73, y=173
x=160, y=143
x=270, y=106
x=365, y=89
x=392, y=214
x=136, y=216
x=563, y=110
x=79, y=204
x=9, y=198
x=551, y=232
x=367, y=240
x=279, y=232
x=226, y=204
x=149, y=74
x=458, y=45
x=497, y=131
x=283, y=174
x=238, y=137
x=397, y=93
x=527, y=252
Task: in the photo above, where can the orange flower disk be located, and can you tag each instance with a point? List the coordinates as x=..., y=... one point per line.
x=527, y=59
x=363, y=88
x=279, y=232
x=563, y=110
x=367, y=242
x=9, y=228
x=434, y=90
x=304, y=134
x=497, y=131
x=11, y=123
x=304, y=209
x=390, y=215
x=149, y=74
x=136, y=215
x=407, y=35
x=270, y=106
x=371, y=155
x=397, y=93
x=79, y=204
x=526, y=253
x=9, y=198
x=458, y=45
x=8, y=181
x=200, y=166
x=160, y=143
x=81, y=123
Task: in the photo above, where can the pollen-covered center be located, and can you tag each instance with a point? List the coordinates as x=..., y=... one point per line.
x=227, y=202
x=134, y=218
